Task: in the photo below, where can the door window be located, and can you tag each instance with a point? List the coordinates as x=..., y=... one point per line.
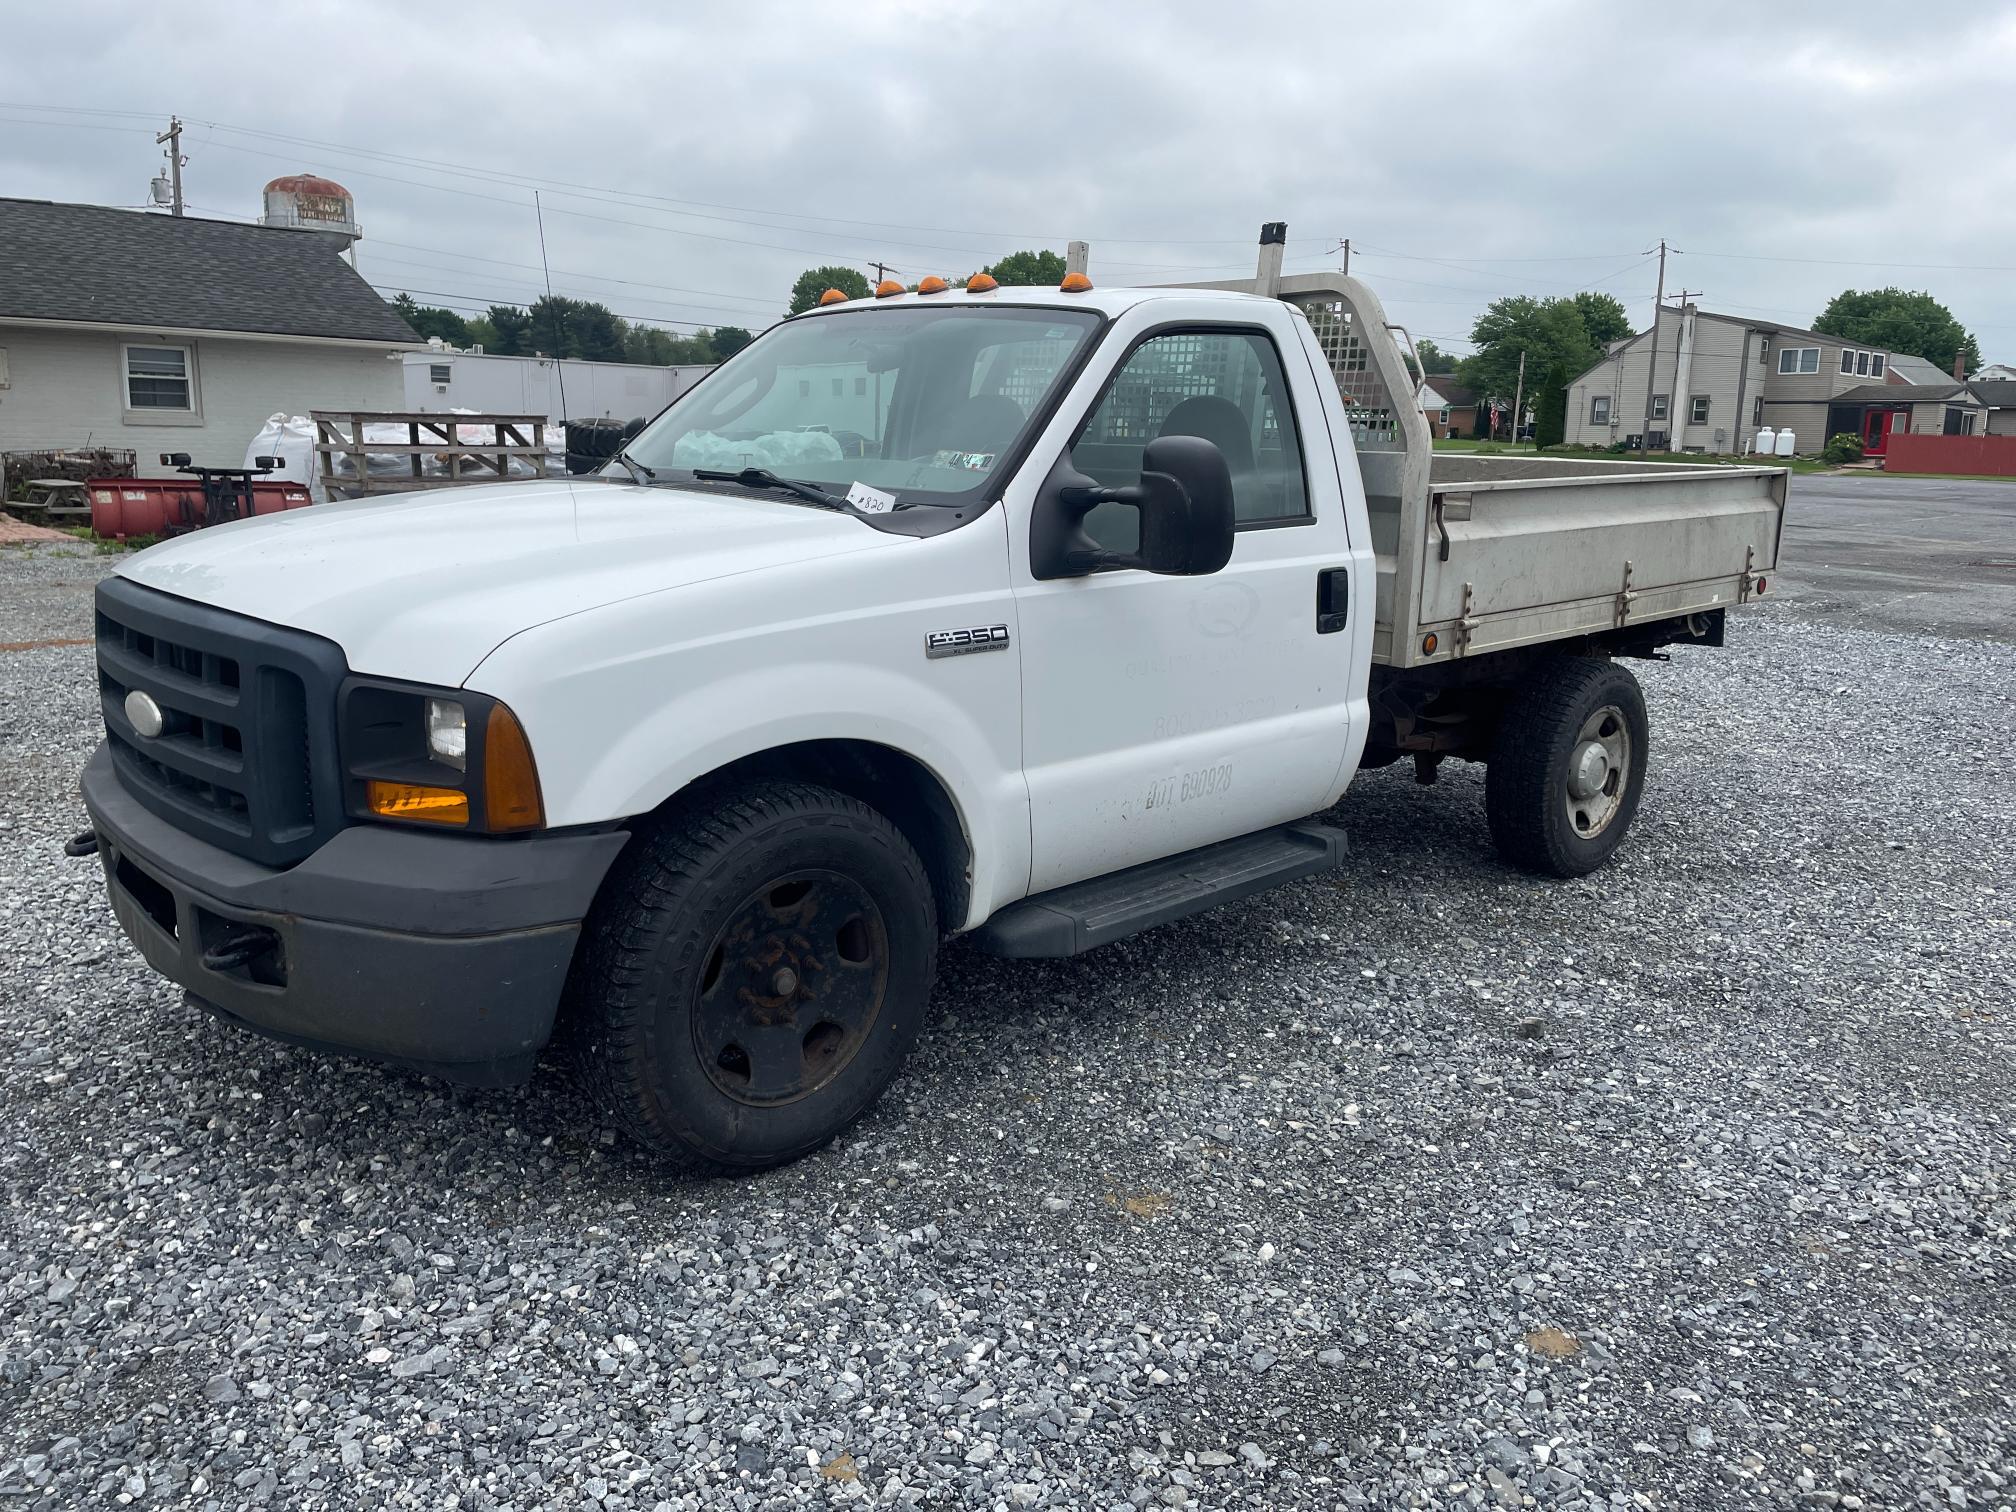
x=1225, y=386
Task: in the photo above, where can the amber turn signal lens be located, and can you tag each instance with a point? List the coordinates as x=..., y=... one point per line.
x=411, y=800
x=980, y=283
x=1428, y=643
x=933, y=285
x=510, y=781
x=832, y=296
x=1075, y=283
x=887, y=287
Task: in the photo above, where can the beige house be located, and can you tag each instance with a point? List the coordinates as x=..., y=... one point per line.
x=1719, y=378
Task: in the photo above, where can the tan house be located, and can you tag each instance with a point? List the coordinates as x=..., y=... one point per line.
x=1717, y=379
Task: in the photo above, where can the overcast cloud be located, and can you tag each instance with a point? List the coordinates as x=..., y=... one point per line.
x=1538, y=148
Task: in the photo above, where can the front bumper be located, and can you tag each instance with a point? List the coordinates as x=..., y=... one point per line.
x=443, y=953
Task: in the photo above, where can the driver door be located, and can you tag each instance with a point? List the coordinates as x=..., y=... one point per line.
x=1164, y=713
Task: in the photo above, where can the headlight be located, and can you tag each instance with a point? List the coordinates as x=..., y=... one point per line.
x=438, y=757
x=447, y=733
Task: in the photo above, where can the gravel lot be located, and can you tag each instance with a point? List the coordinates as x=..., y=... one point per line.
x=1690, y=1185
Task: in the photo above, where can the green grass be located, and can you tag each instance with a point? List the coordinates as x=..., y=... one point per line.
x=1603, y=454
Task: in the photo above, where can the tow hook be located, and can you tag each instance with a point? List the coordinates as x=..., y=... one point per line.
x=84, y=843
x=240, y=949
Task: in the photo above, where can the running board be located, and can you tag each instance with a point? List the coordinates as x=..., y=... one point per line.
x=1069, y=921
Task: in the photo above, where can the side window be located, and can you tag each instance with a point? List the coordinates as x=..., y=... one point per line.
x=1226, y=386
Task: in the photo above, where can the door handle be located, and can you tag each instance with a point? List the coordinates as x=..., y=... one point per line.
x=1333, y=600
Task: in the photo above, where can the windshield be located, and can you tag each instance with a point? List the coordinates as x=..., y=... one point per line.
x=922, y=404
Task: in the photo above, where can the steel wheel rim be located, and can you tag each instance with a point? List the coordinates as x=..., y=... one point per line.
x=790, y=988
x=1599, y=772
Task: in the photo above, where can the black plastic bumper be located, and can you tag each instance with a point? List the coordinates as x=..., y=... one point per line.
x=444, y=953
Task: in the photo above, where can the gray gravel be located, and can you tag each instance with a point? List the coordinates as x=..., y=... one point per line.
x=1428, y=1184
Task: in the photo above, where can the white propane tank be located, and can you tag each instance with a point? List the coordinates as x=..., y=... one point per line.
x=1767, y=438
x=1784, y=447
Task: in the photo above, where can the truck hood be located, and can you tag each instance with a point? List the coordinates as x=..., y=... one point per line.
x=423, y=586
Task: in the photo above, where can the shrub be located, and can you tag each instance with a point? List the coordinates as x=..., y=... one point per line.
x=1841, y=448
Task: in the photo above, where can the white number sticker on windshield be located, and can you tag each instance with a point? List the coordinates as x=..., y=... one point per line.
x=965, y=461
x=870, y=500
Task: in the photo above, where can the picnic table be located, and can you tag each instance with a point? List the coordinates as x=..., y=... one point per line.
x=56, y=497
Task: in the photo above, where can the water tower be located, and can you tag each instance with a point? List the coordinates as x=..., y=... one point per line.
x=308, y=202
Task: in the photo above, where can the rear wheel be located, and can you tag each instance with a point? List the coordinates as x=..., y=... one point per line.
x=754, y=975
x=1567, y=766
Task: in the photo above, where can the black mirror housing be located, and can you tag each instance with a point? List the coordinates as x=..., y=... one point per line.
x=1186, y=507
x=1184, y=501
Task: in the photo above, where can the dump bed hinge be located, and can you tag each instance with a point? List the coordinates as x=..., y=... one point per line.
x=1468, y=622
x=1744, y=583
x=1625, y=596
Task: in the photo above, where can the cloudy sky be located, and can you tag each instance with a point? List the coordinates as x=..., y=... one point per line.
x=693, y=159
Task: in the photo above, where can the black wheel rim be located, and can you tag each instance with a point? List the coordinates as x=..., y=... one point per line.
x=791, y=987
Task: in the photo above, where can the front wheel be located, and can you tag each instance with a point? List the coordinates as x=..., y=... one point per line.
x=754, y=975
x=1567, y=766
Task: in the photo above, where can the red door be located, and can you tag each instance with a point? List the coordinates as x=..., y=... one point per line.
x=1876, y=427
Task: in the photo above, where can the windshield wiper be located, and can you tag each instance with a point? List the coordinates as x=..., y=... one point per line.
x=639, y=473
x=760, y=477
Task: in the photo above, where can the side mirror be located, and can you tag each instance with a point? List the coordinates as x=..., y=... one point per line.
x=1186, y=507
x=1184, y=501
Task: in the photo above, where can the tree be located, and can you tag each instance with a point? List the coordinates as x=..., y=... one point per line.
x=428, y=320
x=1028, y=269
x=1550, y=410
x=814, y=282
x=726, y=341
x=481, y=333
x=510, y=329
x=1603, y=317
x=563, y=327
x=1433, y=358
x=1899, y=321
x=1549, y=332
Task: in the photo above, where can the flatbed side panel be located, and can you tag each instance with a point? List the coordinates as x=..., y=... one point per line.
x=1551, y=559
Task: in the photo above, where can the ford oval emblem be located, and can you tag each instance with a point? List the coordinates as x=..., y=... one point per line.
x=144, y=713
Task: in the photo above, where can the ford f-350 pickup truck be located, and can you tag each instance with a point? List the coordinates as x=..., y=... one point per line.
x=1041, y=615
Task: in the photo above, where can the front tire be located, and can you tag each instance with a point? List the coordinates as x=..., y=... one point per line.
x=1567, y=766
x=754, y=975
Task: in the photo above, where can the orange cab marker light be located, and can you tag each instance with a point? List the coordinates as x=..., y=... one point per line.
x=510, y=780
x=981, y=283
x=1428, y=643
x=833, y=296
x=887, y=287
x=1075, y=283
x=412, y=800
x=933, y=285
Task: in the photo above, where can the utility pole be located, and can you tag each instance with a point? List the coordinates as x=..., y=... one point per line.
x=1652, y=363
x=882, y=271
x=1345, y=266
x=1682, y=348
x=1519, y=399
x=173, y=137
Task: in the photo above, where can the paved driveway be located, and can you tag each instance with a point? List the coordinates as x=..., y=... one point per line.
x=1914, y=554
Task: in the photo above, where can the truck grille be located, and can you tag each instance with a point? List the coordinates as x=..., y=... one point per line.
x=246, y=758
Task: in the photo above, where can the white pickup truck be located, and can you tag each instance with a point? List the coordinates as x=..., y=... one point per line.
x=1040, y=615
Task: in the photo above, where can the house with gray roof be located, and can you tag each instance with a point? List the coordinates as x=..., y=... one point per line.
x=177, y=334
x=1709, y=382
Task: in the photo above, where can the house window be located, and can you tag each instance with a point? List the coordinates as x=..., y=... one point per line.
x=1445, y=414
x=157, y=378
x=1757, y=411
x=1799, y=359
x=1697, y=409
x=440, y=372
x=860, y=385
x=1848, y=361
x=1861, y=364
x=1876, y=366
x=1599, y=409
x=804, y=388
x=838, y=387
x=1658, y=406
